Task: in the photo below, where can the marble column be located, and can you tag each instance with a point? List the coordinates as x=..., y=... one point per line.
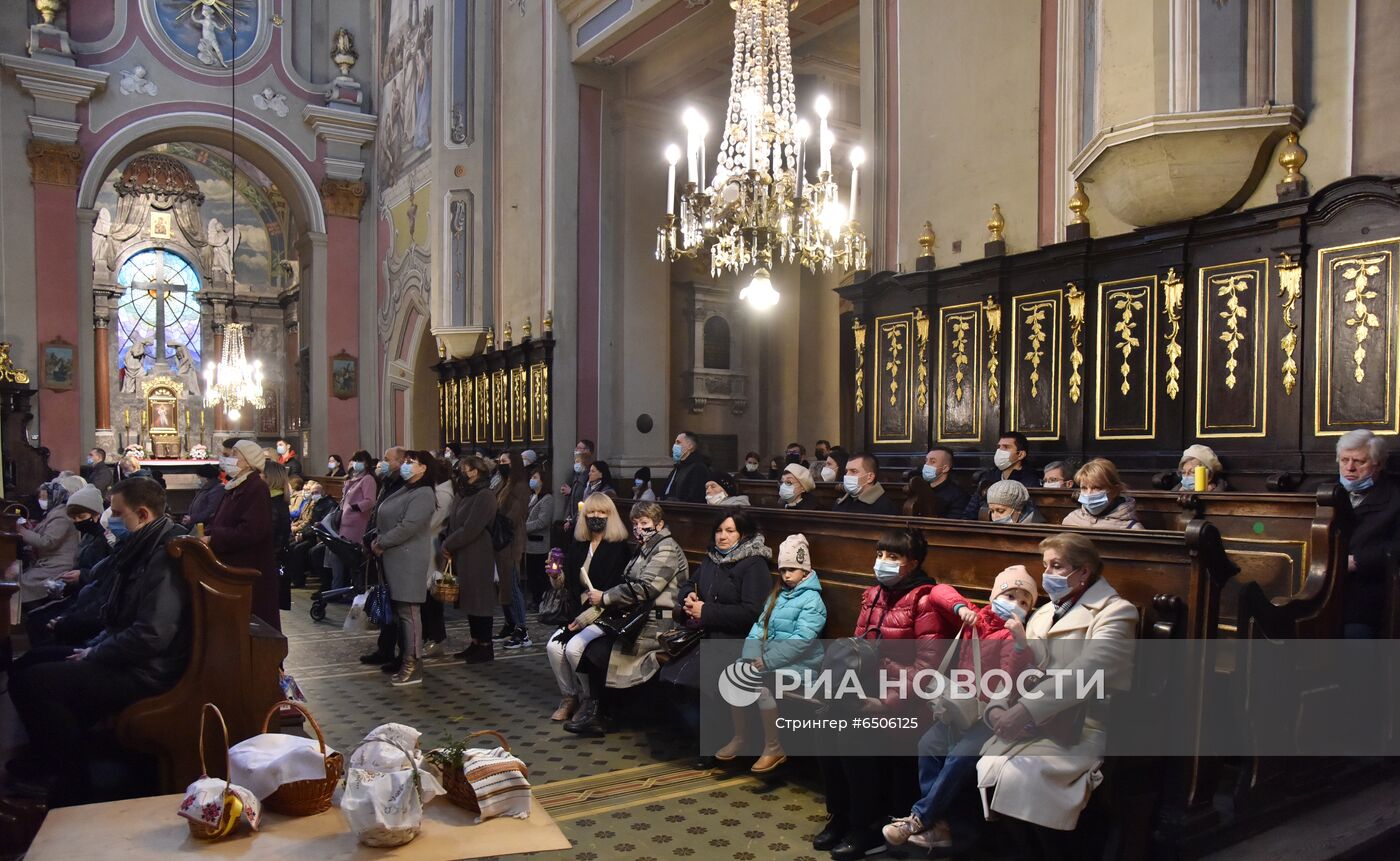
x=101, y=372
x=343, y=201
x=55, y=168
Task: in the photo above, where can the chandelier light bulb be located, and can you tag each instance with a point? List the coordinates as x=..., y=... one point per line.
x=822, y=106
x=673, y=154
x=691, y=119
x=833, y=218
x=803, y=130
x=760, y=293
x=752, y=102
x=857, y=156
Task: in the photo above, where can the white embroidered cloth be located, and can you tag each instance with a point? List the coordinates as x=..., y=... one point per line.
x=499, y=780
x=264, y=762
x=204, y=802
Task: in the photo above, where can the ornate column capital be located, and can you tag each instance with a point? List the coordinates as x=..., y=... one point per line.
x=55, y=163
x=343, y=197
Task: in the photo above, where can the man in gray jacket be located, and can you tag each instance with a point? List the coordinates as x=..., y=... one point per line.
x=141, y=651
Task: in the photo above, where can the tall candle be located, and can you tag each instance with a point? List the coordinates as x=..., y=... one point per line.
x=825, y=139
x=673, y=155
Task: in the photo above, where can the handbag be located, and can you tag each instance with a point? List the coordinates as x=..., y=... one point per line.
x=624, y=622
x=960, y=712
x=677, y=641
x=502, y=532
x=379, y=606
x=556, y=606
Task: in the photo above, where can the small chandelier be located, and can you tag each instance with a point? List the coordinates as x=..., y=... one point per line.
x=234, y=381
x=761, y=208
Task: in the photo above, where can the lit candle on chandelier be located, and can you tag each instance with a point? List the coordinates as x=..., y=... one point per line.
x=857, y=159
x=694, y=140
x=803, y=129
x=753, y=104
x=673, y=155
x=825, y=138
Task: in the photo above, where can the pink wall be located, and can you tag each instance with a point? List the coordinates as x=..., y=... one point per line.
x=343, y=326
x=590, y=172
x=55, y=274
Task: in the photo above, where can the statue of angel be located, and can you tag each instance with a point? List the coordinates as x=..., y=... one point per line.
x=103, y=246
x=134, y=365
x=270, y=100
x=209, y=52
x=186, y=371
x=223, y=242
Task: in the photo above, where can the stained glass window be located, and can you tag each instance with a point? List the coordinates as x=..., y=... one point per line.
x=160, y=287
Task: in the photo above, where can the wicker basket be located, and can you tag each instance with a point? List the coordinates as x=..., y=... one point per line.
x=201, y=830
x=459, y=789
x=446, y=593
x=306, y=797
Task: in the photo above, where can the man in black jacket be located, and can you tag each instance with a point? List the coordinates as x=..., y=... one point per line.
x=1009, y=462
x=864, y=495
x=100, y=473
x=688, y=479
x=141, y=650
x=1375, y=498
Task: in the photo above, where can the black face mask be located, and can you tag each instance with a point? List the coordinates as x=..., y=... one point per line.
x=794, y=457
x=503, y=470
x=821, y=454
x=596, y=524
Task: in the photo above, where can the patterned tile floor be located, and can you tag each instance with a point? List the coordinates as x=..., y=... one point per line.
x=632, y=795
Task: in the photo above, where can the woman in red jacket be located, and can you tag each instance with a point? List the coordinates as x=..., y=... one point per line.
x=864, y=792
x=241, y=532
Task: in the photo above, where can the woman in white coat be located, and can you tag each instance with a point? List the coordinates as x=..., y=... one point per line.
x=1042, y=765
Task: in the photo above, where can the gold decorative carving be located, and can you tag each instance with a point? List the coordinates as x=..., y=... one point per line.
x=1076, y=335
x=992, y=311
x=54, y=163
x=442, y=407
x=520, y=405
x=465, y=404
x=921, y=336
x=858, y=330
x=893, y=423
x=1035, y=318
x=996, y=224
x=1230, y=287
x=1079, y=205
x=1358, y=272
x=48, y=9
x=500, y=406
x=1290, y=290
x=1126, y=305
x=1173, y=294
x=490, y=338
x=539, y=401
x=1292, y=157
x=893, y=332
x=506, y=333
x=343, y=197
x=483, y=407
x=525, y=330
x=926, y=240
x=343, y=52
x=961, y=325
x=548, y=322
x=8, y=372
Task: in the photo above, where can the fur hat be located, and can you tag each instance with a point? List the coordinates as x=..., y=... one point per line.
x=1206, y=455
x=1015, y=577
x=88, y=498
x=1012, y=494
x=794, y=553
x=803, y=476
x=252, y=452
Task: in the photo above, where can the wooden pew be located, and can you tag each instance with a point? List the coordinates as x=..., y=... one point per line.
x=9, y=552
x=234, y=663
x=333, y=486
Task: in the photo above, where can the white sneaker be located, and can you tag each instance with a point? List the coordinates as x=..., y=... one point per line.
x=937, y=837
x=432, y=649
x=898, y=832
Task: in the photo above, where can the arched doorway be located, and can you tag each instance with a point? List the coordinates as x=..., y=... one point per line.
x=424, y=423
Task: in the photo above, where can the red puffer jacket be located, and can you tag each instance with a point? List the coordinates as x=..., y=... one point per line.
x=914, y=610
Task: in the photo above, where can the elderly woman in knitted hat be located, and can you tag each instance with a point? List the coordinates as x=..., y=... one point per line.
x=1201, y=455
x=241, y=533
x=1010, y=502
x=722, y=489
x=795, y=486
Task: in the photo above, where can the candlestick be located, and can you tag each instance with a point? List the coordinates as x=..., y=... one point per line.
x=126, y=418
x=694, y=141
x=823, y=108
x=803, y=130
x=857, y=159
x=673, y=155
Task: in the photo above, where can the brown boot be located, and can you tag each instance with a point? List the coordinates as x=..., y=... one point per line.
x=567, y=707
x=731, y=751
x=773, y=755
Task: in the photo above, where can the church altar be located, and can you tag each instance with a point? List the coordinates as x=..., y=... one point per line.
x=181, y=483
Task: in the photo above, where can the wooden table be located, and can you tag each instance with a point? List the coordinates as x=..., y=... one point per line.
x=142, y=829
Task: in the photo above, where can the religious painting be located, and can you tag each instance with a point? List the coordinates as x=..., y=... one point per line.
x=215, y=33
x=58, y=362
x=406, y=73
x=162, y=225
x=345, y=376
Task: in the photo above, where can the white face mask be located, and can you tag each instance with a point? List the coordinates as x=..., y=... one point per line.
x=715, y=498
x=787, y=492
x=43, y=505
x=1002, y=459
x=828, y=474
x=852, y=484
x=229, y=465
x=331, y=465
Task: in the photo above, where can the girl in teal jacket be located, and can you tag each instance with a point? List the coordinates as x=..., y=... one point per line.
x=785, y=635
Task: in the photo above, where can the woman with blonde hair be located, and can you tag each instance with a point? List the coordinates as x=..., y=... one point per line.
x=593, y=563
x=1102, y=503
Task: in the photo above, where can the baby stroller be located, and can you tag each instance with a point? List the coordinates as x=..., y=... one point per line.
x=353, y=556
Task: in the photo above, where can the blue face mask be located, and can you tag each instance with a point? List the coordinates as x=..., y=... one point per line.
x=534, y=484
x=852, y=484
x=1094, y=503
x=886, y=572
x=1360, y=485
x=930, y=473
x=383, y=467
x=117, y=527
x=357, y=467
x=637, y=482
x=676, y=451
x=405, y=470
x=1188, y=481
x=1055, y=585
x=1006, y=608
x=578, y=468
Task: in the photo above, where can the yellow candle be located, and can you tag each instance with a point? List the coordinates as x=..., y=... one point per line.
x=1202, y=478
x=126, y=418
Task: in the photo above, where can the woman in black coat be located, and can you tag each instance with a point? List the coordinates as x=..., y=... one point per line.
x=723, y=599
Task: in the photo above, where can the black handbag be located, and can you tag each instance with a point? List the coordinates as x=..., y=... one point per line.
x=379, y=605
x=502, y=532
x=556, y=607
x=677, y=641
x=624, y=622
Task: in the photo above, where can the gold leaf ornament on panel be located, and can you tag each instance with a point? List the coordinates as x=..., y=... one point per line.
x=1076, y=334
x=1231, y=288
x=921, y=334
x=1173, y=291
x=992, y=311
x=894, y=344
x=1290, y=290
x=858, y=329
x=1358, y=272
x=960, y=326
x=1035, y=318
x=1126, y=328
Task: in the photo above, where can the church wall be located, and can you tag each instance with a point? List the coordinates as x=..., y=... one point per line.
x=17, y=296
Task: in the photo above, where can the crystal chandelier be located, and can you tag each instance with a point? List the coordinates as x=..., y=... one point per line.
x=234, y=381
x=761, y=208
